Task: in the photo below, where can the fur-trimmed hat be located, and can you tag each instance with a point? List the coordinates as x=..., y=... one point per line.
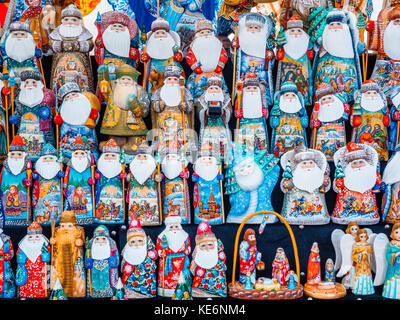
x=111, y=17
x=17, y=144
x=20, y=26
x=323, y=90
x=68, y=216
x=203, y=24
x=111, y=147
x=135, y=229
x=288, y=86
x=143, y=148
x=48, y=150
x=294, y=22
x=173, y=218
x=301, y=153
x=214, y=80
x=31, y=74
x=172, y=70
x=370, y=85
x=34, y=228
x=127, y=70
x=204, y=233
x=255, y=19
x=101, y=231
x=160, y=23
x=205, y=150
x=68, y=88
x=71, y=11
x=354, y=151
x=251, y=79
x=394, y=14
x=336, y=16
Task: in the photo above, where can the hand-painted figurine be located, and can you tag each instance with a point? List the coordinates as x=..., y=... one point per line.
x=255, y=41
x=249, y=257
x=71, y=43
x=127, y=106
x=291, y=280
x=207, y=194
x=109, y=193
x=330, y=271
x=162, y=49
x=117, y=42
x=370, y=118
x=391, y=186
x=288, y=120
x=79, y=183
x=314, y=265
x=138, y=266
x=294, y=55
x=305, y=182
x=208, y=264
x=328, y=121
x=19, y=51
x=337, y=60
x=68, y=256
x=172, y=112
x=33, y=259
x=394, y=126
x=280, y=267
x=34, y=113
x=143, y=193
x=206, y=57
x=101, y=263
x=15, y=182
x=173, y=248
x=46, y=192
x=7, y=286
x=392, y=278
x=78, y=115
x=356, y=182
x=176, y=197
x=3, y=123
x=57, y=292
x=249, y=182
x=215, y=113
x=251, y=109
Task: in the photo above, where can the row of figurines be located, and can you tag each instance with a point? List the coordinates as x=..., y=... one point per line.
x=152, y=187
x=68, y=265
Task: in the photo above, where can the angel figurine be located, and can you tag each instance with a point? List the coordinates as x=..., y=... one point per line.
x=392, y=279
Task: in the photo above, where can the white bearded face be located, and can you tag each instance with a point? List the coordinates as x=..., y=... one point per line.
x=372, y=101
x=171, y=166
x=337, y=40
x=16, y=161
x=176, y=236
x=331, y=108
x=75, y=109
x=47, y=166
x=80, y=160
x=31, y=93
x=70, y=27
x=125, y=87
x=252, y=103
x=20, y=46
x=160, y=44
x=213, y=94
x=206, y=167
x=308, y=176
x=289, y=102
x=252, y=39
x=170, y=92
x=207, y=50
x=117, y=40
x=142, y=167
x=391, y=39
x=248, y=175
x=101, y=249
x=360, y=176
x=32, y=245
x=109, y=165
x=391, y=174
x=207, y=254
x=135, y=250
x=297, y=43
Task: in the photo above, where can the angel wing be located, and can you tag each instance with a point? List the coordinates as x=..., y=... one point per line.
x=371, y=239
x=346, y=248
x=336, y=235
x=379, y=249
x=369, y=231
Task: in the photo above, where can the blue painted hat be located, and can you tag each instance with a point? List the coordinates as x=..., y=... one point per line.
x=48, y=150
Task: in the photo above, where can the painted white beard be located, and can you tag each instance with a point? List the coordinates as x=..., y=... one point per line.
x=206, y=171
x=207, y=51
x=47, y=170
x=109, y=168
x=121, y=93
x=308, y=180
x=170, y=94
x=252, y=105
x=117, y=43
x=20, y=50
x=69, y=31
x=372, y=105
x=32, y=249
x=296, y=46
x=171, y=168
x=79, y=165
x=253, y=44
x=142, y=169
x=31, y=96
x=16, y=165
x=391, y=40
x=360, y=180
x=338, y=43
x=206, y=259
x=391, y=174
x=289, y=107
x=212, y=97
x=175, y=239
x=160, y=48
x=76, y=111
x=135, y=255
x=100, y=251
x=331, y=111
x=251, y=181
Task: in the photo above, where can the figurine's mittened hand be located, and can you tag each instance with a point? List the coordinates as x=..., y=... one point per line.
x=90, y=181
x=13, y=119
x=184, y=175
x=265, y=113
x=396, y=116
x=347, y=108
x=97, y=175
x=52, y=241
x=239, y=114
x=58, y=120
x=370, y=25
x=316, y=124
x=122, y=175
x=356, y=121
x=78, y=242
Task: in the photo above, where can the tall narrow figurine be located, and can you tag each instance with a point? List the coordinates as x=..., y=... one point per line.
x=391, y=186
x=392, y=278
x=7, y=285
x=250, y=257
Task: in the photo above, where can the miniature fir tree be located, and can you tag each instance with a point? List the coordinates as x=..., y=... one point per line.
x=182, y=290
x=58, y=292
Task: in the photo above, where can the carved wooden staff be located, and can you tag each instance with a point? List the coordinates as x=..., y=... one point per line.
x=53, y=225
x=87, y=245
x=57, y=125
x=143, y=39
x=182, y=84
x=316, y=110
x=29, y=177
x=60, y=159
x=12, y=88
x=5, y=92
x=222, y=194
x=92, y=168
x=158, y=161
x=122, y=160
x=238, y=105
x=235, y=46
